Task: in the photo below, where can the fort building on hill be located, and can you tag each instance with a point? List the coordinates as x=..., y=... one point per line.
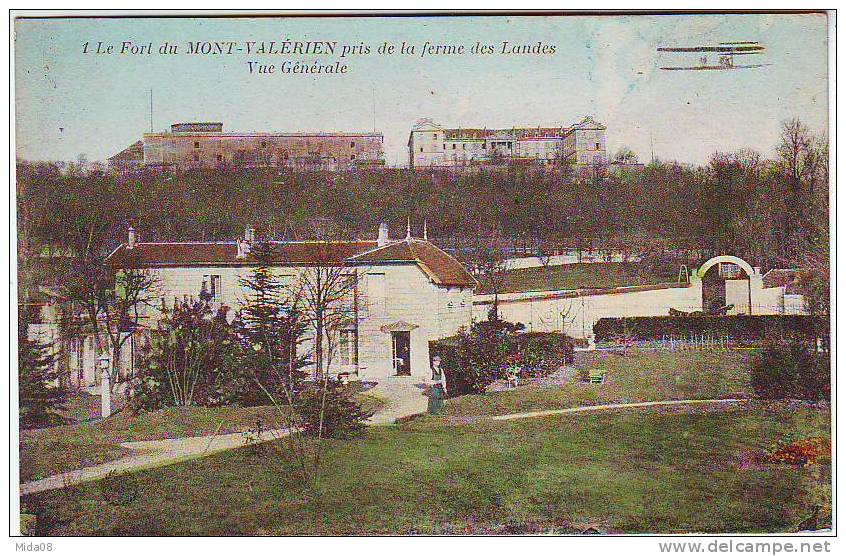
x=431, y=145
x=206, y=145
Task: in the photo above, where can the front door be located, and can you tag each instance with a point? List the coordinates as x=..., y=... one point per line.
x=401, y=353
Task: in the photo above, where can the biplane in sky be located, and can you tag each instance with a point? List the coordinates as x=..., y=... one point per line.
x=713, y=57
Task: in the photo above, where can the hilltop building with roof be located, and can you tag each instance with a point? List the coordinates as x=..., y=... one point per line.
x=431, y=145
x=206, y=145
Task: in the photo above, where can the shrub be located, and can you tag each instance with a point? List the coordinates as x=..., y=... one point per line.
x=539, y=352
x=193, y=359
x=330, y=410
x=791, y=368
x=476, y=358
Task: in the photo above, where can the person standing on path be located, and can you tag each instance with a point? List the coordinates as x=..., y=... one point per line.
x=438, y=389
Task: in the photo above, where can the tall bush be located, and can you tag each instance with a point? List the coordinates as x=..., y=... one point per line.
x=791, y=368
x=477, y=357
x=270, y=329
x=194, y=359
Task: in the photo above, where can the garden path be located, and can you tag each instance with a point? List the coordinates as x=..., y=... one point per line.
x=404, y=397
x=152, y=453
x=613, y=406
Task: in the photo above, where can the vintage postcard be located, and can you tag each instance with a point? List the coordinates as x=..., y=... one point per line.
x=439, y=274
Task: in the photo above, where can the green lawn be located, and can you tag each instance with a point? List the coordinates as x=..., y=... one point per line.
x=634, y=471
x=580, y=275
x=49, y=451
x=636, y=377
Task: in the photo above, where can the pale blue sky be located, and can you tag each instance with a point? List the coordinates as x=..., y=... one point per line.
x=69, y=104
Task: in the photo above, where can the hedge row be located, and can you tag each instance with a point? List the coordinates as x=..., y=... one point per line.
x=737, y=327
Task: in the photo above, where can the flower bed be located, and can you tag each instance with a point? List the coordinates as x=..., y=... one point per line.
x=806, y=451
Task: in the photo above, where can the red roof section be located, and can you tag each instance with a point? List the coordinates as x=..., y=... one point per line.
x=441, y=268
x=505, y=134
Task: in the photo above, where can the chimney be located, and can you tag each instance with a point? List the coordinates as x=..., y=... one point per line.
x=408, y=229
x=425, y=231
x=383, y=235
x=130, y=243
x=243, y=248
x=250, y=235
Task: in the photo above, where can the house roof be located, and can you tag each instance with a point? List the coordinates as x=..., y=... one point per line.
x=442, y=269
x=519, y=133
x=134, y=152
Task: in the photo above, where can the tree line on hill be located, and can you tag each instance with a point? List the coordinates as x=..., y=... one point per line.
x=770, y=211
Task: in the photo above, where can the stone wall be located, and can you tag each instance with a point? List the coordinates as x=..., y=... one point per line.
x=575, y=313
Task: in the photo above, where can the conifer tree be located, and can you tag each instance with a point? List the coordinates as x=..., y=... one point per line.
x=270, y=328
x=40, y=394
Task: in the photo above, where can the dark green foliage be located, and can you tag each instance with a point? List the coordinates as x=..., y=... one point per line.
x=792, y=368
x=544, y=351
x=761, y=210
x=194, y=359
x=270, y=328
x=740, y=328
x=328, y=409
x=39, y=391
x=475, y=358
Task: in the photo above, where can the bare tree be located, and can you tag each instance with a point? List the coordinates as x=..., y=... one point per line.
x=106, y=304
x=625, y=156
x=814, y=276
x=803, y=163
x=488, y=261
x=323, y=295
x=327, y=290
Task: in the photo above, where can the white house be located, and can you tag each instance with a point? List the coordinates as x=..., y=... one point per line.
x=407, y=292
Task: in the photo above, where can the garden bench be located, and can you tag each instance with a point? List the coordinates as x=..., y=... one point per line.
x=596, y=376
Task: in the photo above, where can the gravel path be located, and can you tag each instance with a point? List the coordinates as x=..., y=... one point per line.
x=612, y=406
x=404, y=397
x=152, y=453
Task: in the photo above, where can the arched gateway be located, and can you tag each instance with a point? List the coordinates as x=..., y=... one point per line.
x=714, y=296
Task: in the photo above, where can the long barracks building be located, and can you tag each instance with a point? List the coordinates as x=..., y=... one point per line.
x=206, y=145
x=431, y=145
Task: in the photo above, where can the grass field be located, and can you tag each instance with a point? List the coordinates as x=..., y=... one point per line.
x=635, y=471
x=580, y=275
x=49, y=451
x=636, y=377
